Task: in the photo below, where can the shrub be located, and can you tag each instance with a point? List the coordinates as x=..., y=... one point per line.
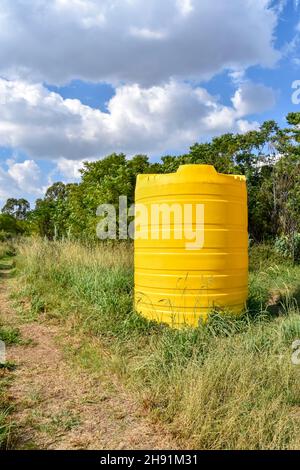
x=289, y=247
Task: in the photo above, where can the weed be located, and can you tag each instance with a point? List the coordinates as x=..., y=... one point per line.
x=228, y=384
x=10, y=335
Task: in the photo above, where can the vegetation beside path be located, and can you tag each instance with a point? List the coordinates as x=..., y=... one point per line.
x=8, y=335
x=50, y=401
x=229, y=384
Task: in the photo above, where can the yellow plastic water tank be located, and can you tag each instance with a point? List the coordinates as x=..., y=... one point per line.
x=191, y=244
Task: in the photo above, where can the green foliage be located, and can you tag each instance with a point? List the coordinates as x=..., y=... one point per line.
x=269, y=158
x=264, y=255
x=49, y=219
x=228, y=384
x=17, y=208
x=10, y=335
x=13, y=219
x=289, y=247
x=6, y=249
x=11, y=227
x=69, y=211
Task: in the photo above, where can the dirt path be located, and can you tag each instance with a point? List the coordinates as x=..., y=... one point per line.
x=59, y=407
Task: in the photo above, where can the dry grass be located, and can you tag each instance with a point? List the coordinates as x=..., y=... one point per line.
x=8, y=335
x=6, y=249
x=227, y=385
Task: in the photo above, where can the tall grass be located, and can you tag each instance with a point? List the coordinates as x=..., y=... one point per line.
x=9, y=335
x=229, y=384
x=6, y=249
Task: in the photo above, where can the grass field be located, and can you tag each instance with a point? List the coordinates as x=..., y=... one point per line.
x=227, y=385
x=8, y=335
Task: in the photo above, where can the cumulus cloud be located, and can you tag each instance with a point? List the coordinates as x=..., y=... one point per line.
x=69, y=169
x=252, y=98
x=7, y=186
x=26, y=175
x=20, y=180
x=150, y=120
x=133, y=41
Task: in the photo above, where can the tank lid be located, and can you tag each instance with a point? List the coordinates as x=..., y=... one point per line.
x=198, y=169
x=206, y=171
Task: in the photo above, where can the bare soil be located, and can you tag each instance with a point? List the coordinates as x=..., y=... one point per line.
x=58, y=406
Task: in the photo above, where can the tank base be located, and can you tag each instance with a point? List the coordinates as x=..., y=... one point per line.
x=181, y=320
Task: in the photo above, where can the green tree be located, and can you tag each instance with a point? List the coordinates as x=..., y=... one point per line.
x=18, y=208
x=268, y=157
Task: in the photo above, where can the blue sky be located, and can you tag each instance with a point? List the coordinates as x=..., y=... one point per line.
x=84, y=78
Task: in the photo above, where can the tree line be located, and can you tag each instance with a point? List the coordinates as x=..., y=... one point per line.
x=269, y=158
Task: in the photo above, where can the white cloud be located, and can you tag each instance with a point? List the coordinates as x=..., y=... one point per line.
x=136, y=41
x=26, y=175
x=69, y=169
x=86, y=13
x=8, y=186
x=150, y=120
x=20, y=180
x=237, y=76
x=145, y=49
x=185, y=6
x=147, y=33
x=252, y=98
